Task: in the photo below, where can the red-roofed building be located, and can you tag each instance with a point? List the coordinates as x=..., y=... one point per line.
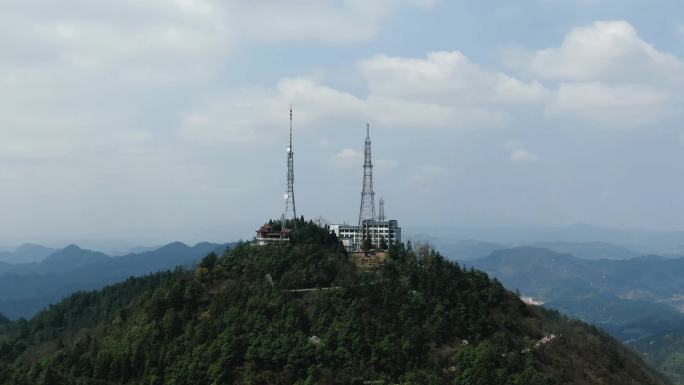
x=266, y=235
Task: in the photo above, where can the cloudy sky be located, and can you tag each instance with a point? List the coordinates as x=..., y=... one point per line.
x=159, y=120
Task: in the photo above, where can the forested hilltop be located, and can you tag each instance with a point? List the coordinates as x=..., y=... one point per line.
x=301, y=313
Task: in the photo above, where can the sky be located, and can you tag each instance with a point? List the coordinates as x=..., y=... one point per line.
x=150, y=121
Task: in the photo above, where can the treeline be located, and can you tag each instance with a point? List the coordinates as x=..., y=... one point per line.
x=236, y=319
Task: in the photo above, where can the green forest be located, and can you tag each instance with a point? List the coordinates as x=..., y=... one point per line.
x=301, y=313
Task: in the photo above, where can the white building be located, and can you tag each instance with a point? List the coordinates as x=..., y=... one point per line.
x=352, y=236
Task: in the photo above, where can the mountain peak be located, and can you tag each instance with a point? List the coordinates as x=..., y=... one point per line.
x=71, y=257
x=30, y=252
x=174, y=245
x=72, y=247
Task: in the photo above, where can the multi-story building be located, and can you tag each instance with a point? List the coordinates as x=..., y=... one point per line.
x=352, y=236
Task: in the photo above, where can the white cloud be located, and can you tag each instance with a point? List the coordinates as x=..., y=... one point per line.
x=518, y=153
x=330, y=22
x=448, y=78
x=445, y=90
x=347, y=158
x=160, y=42
x=625, y=106
x=94, y=94
x=523, y=156
x=249, y=114
x=139, y=41
x=610, y=51
x=608, y=76
x=151, y=34
x=101, y=96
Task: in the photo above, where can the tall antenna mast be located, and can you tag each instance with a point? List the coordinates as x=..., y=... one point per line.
x=381, y=210
x=290, y=209
x=367, y=210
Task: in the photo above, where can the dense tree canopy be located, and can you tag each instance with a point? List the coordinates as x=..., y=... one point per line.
x=300, y=313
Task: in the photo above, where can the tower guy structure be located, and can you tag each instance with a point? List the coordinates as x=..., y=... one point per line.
x=377, y=229
x=367, y=210
x=290, y=208
x=371, y=232
x=381, y=210
x=268, y=233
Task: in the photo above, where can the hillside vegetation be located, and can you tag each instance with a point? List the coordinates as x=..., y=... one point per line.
x=244, y=318
x=638, y=301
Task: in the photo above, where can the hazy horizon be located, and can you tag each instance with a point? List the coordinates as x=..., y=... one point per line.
x=512, y=235
x=151, y=122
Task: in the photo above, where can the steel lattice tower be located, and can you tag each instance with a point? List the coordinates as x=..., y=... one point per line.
x=290, y=209
x=381, y=210
x=367, y=211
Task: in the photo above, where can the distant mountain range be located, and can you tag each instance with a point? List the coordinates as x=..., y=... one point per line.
x=665, y=243
x=551, y=275
x=464, y=250
x=26, y=253
x=589, y=250
x=461, y=250
x=638, y=300
x=27, y=288
x=70, y=258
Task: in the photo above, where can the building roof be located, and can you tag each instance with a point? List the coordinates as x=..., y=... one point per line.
x=266, y=231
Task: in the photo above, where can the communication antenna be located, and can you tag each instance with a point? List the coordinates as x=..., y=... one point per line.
x=367, y=210
x=381, y=210
x=290, y=209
